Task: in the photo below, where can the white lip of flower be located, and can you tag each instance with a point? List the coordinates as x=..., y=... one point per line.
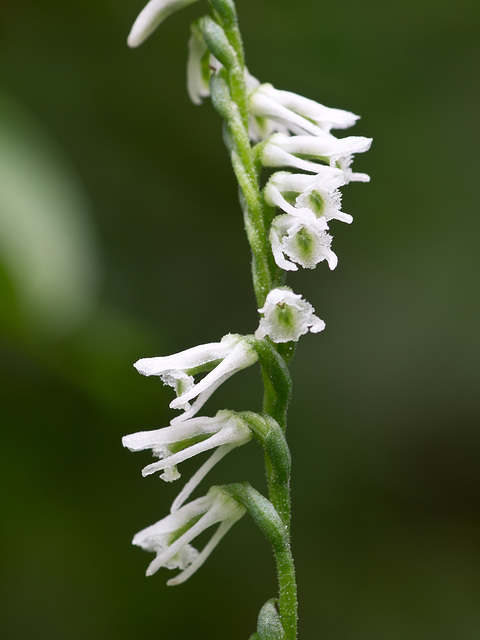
x=222, y=359
x=350, y=176
x=170, y=538
x=182, y=441
x=283, y=151
x=318, y=193
x=296, y=113
x=151, y=16
x=303, y=239
x=287, y=317
x=200, y=65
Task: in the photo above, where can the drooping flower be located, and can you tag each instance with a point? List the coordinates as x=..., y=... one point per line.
x=320, y=193
x=151, y=16
x=179, y=442
x=301, y=237
x=222, y=359
x=287, y=316
x=295, y=113
x=281, y=150
x=170, y=538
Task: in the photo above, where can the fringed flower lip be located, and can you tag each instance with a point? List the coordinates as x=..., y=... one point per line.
x=221, y=359
x=293, y=192
x=287, y=316
x=170, y=537
x=303, y=239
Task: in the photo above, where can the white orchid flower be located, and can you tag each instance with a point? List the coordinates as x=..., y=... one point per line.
x=222, y=360
x=179, y=442
x=287, y=316
x=295, y=113
x=303, y=239
x=293, y=191
x=170, y=538
x=151, y=16
x=281, y=150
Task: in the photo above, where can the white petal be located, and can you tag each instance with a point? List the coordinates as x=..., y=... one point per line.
x=325, y=117
x=229, y=435
x=203, y=555
x=240, y=357
x=197, y=87
x=332, y=259
x=198, y=476
x=264, y=107
x=150, y=18
x=188, y=359
x=278, y=256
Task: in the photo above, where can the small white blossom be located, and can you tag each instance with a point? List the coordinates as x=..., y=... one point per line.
x=318, y=193
x=295, y=113
x=170, y=538
x=222, y=360
x=179, y=442
x=287, y=316
x=290, y=151
x=303, y=239
x=151, y=16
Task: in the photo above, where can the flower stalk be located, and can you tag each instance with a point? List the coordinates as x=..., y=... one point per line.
x=287, y=223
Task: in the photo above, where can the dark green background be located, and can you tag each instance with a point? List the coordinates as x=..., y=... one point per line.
x=384, y=425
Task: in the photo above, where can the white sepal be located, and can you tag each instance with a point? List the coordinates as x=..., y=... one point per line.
x=296, y=113
x=170, y=538
x=225, y=358
x=287, y=316
x=284, y=151
x=151, y=16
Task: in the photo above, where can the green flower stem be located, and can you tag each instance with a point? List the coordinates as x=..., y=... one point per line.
x=277, y=461
x=287, y=600
x=229, y=97
x=270, y=524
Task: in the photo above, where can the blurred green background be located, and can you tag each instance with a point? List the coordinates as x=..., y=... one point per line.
x=121, y=237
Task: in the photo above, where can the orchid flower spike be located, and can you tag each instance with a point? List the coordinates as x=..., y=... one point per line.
x=293, y=191
x=287, y=316
x=303, y=239
x=222, y=360
x=179, y=442
x=170, y=538
x=290, y=151
x=296, y=113
x=151, y=16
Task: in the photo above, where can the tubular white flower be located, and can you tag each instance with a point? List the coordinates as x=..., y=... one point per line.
x=170, y=538
x=317, y=193
x=222, y=359
x=284, y=151
x=151, y=16
x=179, y=442
x=287, y=316
x=303, y=239
x=296, y=113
